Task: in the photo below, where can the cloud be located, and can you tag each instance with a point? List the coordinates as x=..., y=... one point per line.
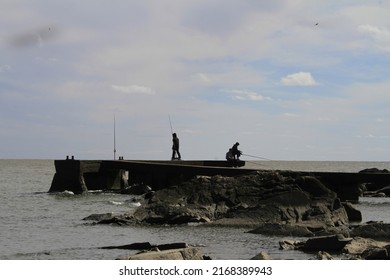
x=380, y=35
x=299, y=79
x=245, y=95
x=134, y=89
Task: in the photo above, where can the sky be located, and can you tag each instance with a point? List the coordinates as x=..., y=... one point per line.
x=288, y=80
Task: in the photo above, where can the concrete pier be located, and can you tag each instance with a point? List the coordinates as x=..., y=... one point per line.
x=80, y=176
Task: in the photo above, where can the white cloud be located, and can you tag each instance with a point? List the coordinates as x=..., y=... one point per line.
x=134, y=89
x=299, y=79
x=380, y=35
x=246, y=95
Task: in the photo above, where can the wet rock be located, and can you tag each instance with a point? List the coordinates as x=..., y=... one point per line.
x=136, y=189
x=377, y=253
x=249, y=200
x=354, y=215
x=333, y=243
x=384, y=190
x=374, y=170
x=374, y=230
x=99, y=217
x=117, y=220
x=133, y=246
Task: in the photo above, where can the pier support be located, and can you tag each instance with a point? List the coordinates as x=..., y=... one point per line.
x=81, y=176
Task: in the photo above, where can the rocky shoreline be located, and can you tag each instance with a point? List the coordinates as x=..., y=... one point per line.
x=267, y=203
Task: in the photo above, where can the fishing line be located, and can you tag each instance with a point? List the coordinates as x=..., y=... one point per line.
x=256, y=163
x=256, y=157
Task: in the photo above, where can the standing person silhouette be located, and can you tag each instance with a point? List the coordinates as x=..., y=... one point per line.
x=175, y=147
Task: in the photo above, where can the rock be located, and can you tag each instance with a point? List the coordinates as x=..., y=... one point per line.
x=374, y=230
x=359, y=245
x=282, y=229
x=99, y=217
x=333, y=243
x=173, y=254
x=384, y=190
x=353, y=214
x=262, y=256
x=313, y=186
x=117, y=220
x=374, y=170
x=249, y=200
x=136, y=189
x=133, y=246
x=321, y=255
x=291, y=244
x=377, y=253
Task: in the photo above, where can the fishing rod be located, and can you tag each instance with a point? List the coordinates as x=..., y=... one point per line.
x=114, y=140
x=170, y=123
x=256, y=157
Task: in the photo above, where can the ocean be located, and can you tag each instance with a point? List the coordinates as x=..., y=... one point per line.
x=36, y=225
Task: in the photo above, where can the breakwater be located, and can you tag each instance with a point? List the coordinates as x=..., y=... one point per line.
x=110, y=175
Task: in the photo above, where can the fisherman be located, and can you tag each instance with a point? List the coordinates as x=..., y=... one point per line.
x=236, y=152
x=175, y=147
x=229, y=155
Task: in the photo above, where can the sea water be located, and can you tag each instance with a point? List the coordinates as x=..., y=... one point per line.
x=35, y=224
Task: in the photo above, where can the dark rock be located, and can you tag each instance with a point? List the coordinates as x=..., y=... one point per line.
x=137, y=189
x=385, y=190
x=248, y=200
x=377, y=254
x=171, y=246
x=133, y=246
x=354, y=215
x=374, y=170
x=117, y=220
x=333, y=243
x=99, y=217
x=375, y=230
x=313, y=186
x=148, y=246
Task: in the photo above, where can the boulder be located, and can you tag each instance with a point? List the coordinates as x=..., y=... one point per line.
x=133, y=246
x=262, y=256
x=374, y=170
x=374, y=230
x=190, y=253
x=248, y=200
x=384, y=190
x=354, y=215
x=334, y=243
x=377, y=254
x=367, y=248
